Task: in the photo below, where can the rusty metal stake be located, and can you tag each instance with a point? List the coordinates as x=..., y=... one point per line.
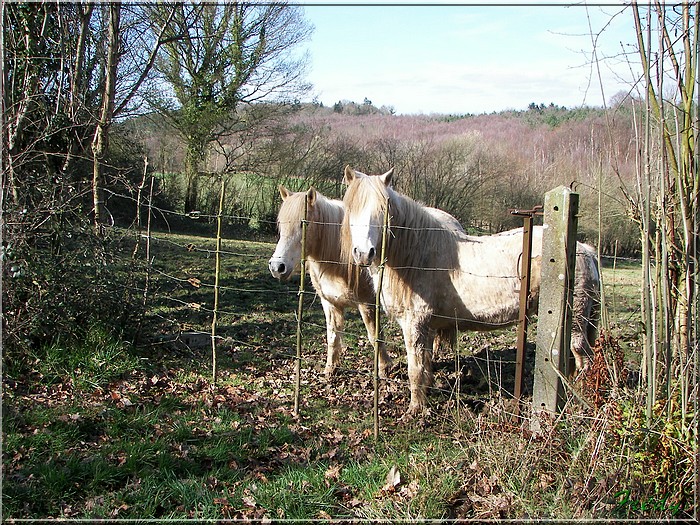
x=524, y=299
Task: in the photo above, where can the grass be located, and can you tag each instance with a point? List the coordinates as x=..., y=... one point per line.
x=103, y=429
x=88, y=363
x=623, y=284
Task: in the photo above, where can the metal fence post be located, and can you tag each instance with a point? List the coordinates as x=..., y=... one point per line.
x=525, y=271
x=552, y=356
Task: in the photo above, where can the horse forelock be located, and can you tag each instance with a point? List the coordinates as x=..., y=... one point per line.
x=366, y=192
x=362, y=193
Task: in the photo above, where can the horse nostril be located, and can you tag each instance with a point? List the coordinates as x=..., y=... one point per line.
x=280, y=268
x=370, y=254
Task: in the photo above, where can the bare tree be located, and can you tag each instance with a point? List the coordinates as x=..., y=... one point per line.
x=100, y=139
x=68, y=73
x=116, y=95
x=667, y=198
x=230, y=55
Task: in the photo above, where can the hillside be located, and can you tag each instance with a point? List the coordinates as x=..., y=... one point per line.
x=476, y=167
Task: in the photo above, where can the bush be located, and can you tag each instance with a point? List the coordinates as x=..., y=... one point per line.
x=60, y=279
x=659, y=455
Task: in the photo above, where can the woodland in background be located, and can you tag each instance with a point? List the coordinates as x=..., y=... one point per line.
x=477, y=167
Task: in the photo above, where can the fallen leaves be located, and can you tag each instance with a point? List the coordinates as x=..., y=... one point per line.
x=393, y=480
x=195, y=419
x=481, y=496
x=396, y=489
x=332, y=474
x=120, y=400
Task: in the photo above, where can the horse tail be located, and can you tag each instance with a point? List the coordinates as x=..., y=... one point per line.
x=587, y=307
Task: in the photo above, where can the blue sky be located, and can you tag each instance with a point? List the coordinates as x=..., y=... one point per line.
x=467, y=58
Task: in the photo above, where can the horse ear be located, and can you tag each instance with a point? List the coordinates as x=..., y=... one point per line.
x=350, y=175
x=311, y=196
x=386, y=178
x=284, y=192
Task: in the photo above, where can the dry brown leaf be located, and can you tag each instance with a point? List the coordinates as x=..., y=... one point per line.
x=333, y=473
x=393, y=479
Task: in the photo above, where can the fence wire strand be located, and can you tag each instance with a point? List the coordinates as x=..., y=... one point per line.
x=194, y=282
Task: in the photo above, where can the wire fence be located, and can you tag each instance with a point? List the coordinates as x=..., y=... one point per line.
x=180, y=302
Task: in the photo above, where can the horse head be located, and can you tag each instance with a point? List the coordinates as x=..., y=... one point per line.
x=366, y=201
x=287, y=253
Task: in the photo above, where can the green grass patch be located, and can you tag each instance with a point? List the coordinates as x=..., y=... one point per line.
x=88, y=363
x=101, y=429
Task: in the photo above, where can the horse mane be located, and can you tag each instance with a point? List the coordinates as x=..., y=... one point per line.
x=323, y=223
x=422, y=240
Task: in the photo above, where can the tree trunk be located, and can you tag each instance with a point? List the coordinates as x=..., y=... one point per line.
x=191, y=179
x=101, y=138
x=78, y=79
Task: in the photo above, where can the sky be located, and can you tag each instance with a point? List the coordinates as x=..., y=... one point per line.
x=461, y=59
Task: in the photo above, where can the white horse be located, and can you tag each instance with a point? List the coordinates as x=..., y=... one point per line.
x=435, y=277
x=339, y=285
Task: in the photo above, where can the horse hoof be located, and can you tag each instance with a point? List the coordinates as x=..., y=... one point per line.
x=414, y=413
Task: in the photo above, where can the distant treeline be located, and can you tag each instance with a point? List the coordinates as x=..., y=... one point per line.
x=477, y=167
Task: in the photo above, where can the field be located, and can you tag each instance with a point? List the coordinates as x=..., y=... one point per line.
x=110, y=430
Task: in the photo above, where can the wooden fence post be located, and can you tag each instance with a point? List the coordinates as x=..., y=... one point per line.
x=217, y=274
x=553, y=354
x=377, y=321
x=300, y=311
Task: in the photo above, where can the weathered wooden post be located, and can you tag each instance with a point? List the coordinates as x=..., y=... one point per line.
x=377, y=321
x=553, y=354
x=217, y=274
x=300, y=310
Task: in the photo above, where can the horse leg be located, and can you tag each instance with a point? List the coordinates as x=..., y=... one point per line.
x=431, y=343
x=415, y=338
x=335, y=320
x=583, y=313
x=444, y=336
x=586, y=310
x=367, y=312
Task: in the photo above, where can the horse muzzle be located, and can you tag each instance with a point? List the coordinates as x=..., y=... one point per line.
x=363, y=257
x=279, y=269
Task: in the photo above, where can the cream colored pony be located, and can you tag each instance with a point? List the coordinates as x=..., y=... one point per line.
x=436, y=278
x=339, y=285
